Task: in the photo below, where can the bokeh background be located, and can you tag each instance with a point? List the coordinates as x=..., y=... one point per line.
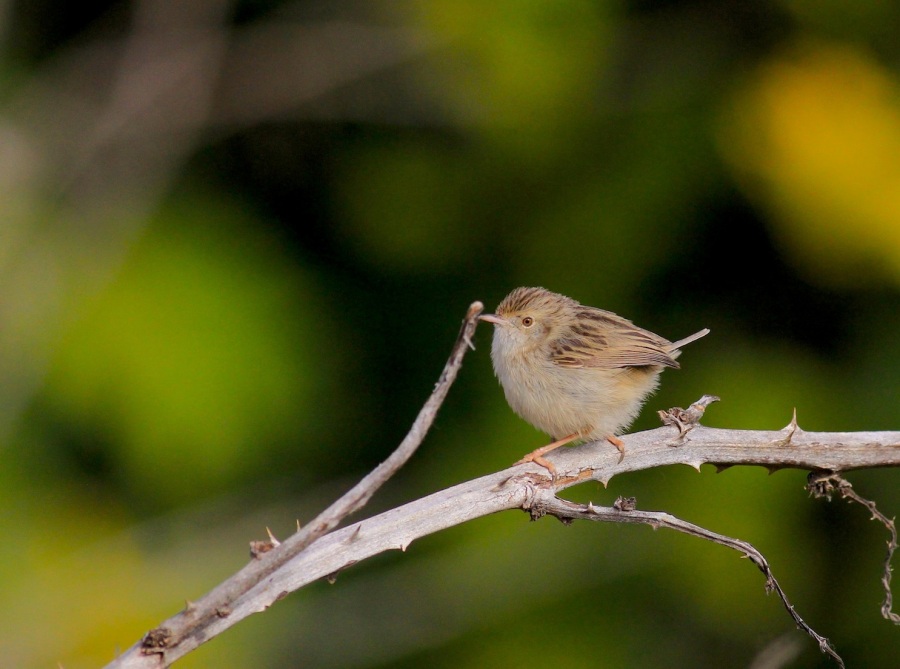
x=237, y=242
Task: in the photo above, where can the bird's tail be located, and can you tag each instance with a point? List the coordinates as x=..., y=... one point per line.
x=687, y=340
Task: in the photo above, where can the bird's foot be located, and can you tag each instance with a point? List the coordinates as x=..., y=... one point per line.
x=537, y=455
x=619, y=444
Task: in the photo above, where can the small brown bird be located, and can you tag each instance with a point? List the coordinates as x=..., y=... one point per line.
x=572, y=371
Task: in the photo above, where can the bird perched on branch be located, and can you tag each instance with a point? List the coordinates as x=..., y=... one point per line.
x=577, y=373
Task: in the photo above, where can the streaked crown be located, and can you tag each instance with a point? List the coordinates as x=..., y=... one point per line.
x=538, y=300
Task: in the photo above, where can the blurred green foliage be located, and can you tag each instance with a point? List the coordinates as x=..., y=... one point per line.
x=232, y=270
x=201, y=350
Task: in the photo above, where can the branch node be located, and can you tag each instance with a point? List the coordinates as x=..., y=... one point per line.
x=686, y=419
x=823, y=483
x=156, y=641
x=537, y=501
x=529, y=489
x=260, y=548
x=625, y=504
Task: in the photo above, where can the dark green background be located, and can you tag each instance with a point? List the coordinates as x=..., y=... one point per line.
x=238, y=240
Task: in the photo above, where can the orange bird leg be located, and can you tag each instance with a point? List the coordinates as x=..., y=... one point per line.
x=619, y=444
x=537, y=454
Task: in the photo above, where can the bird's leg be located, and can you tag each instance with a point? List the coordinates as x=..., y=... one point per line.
x=619, y=444
x=536, y=456
x=543, y=450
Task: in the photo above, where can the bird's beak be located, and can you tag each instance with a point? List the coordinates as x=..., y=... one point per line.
x=493, y=318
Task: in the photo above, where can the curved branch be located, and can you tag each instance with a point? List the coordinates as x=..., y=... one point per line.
x=624, y=512
x=312, y=553
x=517, y=488
x=221, y=608
x=823, y=485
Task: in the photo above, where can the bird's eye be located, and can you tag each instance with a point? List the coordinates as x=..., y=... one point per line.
x=528, y=321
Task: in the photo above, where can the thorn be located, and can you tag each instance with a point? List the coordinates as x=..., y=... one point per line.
x=189, y=607
x=793, y=424
x=790, y=428
x=605, y=481
x=272, y=538
x=403, y=547
x=722, y=468
x=695, y=464
x=332, y=577
x=591, y=508
x=773, y=468
x=355, y=536
x=298, y=524
x=502, y=484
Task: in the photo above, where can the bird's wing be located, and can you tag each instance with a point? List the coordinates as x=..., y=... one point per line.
x=604, y=340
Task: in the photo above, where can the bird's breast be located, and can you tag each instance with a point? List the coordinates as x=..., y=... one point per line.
x=561, y=401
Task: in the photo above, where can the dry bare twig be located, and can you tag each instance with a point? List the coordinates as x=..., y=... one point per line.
x=218, y=609
x=823, y=484
x=316, y=552
x=545, y=502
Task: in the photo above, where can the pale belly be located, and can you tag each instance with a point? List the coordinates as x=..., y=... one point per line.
x=592, y=403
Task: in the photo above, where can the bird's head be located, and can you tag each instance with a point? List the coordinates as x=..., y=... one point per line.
x=528, y=317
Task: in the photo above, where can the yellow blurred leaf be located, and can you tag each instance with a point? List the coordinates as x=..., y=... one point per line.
x=814, y=136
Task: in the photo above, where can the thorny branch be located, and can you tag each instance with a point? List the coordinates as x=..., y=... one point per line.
x=824, y=484
x=319, y=551
x=624, y=512
x=151, y=74
x=186, y=630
